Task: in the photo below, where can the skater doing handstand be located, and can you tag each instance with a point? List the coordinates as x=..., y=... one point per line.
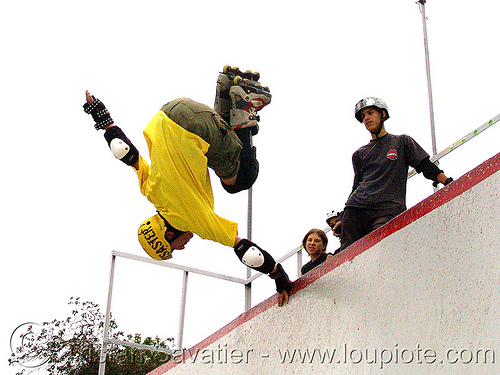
x=184, y=138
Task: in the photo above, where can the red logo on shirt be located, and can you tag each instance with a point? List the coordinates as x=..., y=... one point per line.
x=392, y=154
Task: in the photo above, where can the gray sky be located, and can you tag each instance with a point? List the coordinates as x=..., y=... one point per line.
x=66, y=202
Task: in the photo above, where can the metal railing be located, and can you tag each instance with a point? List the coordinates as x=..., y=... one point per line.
x=461, y=141
x=186, y=271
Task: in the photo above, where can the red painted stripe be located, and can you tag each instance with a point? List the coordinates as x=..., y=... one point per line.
x=441, y=197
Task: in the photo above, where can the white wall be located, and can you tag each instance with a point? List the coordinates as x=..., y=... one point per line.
x=425, y=299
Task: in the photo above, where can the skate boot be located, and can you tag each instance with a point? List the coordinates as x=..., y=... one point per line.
x=222, y=103
x=247, y=98
x=225, y=81
x=239, y=107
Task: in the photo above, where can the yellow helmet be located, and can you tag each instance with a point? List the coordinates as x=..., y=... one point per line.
x=152, y=238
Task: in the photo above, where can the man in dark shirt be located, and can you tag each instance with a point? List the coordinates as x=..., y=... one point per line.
x=380, y=174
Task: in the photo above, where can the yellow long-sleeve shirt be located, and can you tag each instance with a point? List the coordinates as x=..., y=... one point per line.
x=178, y=183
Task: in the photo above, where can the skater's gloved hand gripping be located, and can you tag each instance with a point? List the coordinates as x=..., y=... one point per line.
x=283, y=284
x=282, y=298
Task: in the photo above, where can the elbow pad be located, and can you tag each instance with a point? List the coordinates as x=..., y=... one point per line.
x=121, y=146
x=429, y=169
x=254, y=257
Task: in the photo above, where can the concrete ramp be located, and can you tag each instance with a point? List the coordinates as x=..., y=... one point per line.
x=420, y=295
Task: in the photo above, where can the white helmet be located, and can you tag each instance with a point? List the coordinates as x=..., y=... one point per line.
x=370, y=102
x=331, y=214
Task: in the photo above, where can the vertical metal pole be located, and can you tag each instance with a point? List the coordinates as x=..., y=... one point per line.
x=428, y=68
x=104, y=348
x=299, y=261
x=183, y=310
x=248, y=287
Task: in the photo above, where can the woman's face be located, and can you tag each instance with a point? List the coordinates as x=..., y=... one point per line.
x=315, y=245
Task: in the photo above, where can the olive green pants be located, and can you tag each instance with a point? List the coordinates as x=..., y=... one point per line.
x=225, y=147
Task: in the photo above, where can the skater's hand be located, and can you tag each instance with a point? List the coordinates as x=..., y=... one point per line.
x=99, y=112
x=282, y=298
x=336, y=228
x=89, y=97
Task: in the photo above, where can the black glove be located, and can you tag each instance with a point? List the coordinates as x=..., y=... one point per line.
x=99, y=113
x=446, y=182
x=281, y=279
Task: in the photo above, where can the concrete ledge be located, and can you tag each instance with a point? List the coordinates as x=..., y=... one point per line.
x=406, y=246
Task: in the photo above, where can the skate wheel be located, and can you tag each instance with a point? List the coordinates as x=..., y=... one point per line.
x=257, y=75
x=226, y=68
x=248, y=82
x=237, y=80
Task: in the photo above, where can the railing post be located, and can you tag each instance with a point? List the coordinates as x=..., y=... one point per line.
x=104, y=348
x=248, y=286
x=299, y=261
x=183, y=310
x=429, y=85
